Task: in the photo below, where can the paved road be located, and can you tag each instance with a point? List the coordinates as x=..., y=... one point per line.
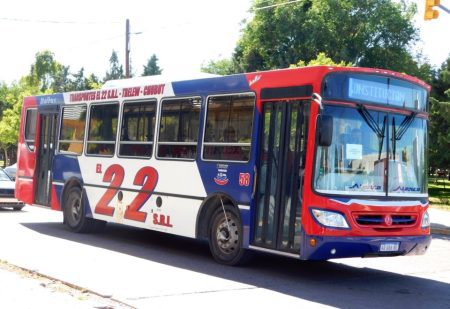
x=151, y=270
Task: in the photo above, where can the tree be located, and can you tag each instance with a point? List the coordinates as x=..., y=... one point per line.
x=61, y=80
x=152, y=67
x=321, y=59
x=440, y=119
x=4, y=104
x=374, y=33
x=441, y=84
x=80, y=82
x=46, y=76
x=115, y=70
x=220, y=67
x=93, y=82
x=44, y=71
x=10, y=120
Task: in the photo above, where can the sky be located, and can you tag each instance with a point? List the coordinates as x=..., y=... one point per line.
x=183, y=34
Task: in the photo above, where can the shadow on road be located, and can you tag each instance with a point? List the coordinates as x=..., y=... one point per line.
x=327, y=283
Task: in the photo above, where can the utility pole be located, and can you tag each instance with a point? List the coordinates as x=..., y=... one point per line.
x=127, y=49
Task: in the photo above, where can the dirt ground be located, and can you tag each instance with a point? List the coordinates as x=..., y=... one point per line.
x=53, y=290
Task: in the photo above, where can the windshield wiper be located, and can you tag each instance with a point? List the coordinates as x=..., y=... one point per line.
x=373, y=125
x=398, y=134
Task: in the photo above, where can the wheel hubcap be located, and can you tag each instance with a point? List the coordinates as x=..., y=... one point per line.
x=76, y=209
x=227, y=235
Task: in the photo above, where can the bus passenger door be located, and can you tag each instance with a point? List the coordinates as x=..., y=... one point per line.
x=282, y=152
x=45, y=152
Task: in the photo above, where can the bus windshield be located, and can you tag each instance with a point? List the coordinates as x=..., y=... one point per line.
x=372, y=153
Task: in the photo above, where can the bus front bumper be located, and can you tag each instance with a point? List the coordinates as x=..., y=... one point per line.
x=328, y=247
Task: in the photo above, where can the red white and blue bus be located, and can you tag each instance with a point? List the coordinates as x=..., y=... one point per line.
x=312, y=163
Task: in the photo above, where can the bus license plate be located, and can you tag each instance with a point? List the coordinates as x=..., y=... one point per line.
x=389, y=246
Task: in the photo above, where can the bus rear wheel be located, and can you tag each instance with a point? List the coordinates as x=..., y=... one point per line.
x=225, y=237
x=75, y=213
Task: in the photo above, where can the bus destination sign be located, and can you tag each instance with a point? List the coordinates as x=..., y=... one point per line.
x=365, y=90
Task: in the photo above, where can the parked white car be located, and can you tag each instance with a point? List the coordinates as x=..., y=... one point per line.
x=7, y=188
x=11, y=171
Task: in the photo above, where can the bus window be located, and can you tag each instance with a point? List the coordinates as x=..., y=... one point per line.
x=102, y=129
x=229, y=127
x=178, y=130
x=30, y=128
x=72, y=129
x=136, y=135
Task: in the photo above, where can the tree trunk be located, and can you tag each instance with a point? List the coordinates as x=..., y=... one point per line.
x=5, y=157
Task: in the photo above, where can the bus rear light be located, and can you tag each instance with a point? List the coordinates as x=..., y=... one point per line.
x=313, y=242
x=330, y=218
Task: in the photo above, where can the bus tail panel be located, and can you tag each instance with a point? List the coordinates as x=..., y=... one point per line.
x=26, y=161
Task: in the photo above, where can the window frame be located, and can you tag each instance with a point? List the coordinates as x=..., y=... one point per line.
x=119, y=133
x=87, y=142
x=385, y=195
x=250, y=93
x=69, y=153
x=158, y=142
x=27, y=141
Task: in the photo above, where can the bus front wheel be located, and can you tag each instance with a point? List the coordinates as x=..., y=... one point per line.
x=225, y=237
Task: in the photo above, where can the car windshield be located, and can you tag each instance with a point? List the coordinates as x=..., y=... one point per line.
x=372, y=153
x=4, y=176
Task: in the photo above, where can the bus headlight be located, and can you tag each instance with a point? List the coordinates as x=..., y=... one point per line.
x=426, y=220
x=330, y=218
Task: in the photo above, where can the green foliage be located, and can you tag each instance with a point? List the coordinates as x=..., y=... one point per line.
x=373, y=33
x=44, y=71
x=80, y=82
x=440, y=119
x=220, y=67
x=4, y=98
x=115, y=70
x=93, y=82
x=439, y=192
x=152, y=67
x=9, y=124
x=321, y=59
x=441, y=85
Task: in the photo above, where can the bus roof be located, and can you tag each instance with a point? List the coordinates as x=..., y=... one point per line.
x=156, y=79
x=194, y=83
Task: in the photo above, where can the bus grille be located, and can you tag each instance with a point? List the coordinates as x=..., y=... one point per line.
x=386, y=220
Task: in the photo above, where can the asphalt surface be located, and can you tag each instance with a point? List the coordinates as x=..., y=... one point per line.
x=51, y=286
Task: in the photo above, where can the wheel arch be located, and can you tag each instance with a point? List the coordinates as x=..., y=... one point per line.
x=208, y=207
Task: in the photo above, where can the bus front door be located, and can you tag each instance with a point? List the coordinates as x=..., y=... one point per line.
x=278, y=199
x=47, y=138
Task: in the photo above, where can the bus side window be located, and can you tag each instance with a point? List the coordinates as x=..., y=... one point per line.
x=178, y=129
x=72, y=129
x=103, y=120
x=138, y=125
x=228, y=131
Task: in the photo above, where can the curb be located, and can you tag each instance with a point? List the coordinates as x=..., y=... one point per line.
x=30, y=272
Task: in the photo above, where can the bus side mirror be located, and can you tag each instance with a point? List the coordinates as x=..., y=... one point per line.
x=325, y=130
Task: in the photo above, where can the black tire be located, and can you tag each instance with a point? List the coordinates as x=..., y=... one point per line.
x=225, y=238
x=17, y=208
x=75, y=213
